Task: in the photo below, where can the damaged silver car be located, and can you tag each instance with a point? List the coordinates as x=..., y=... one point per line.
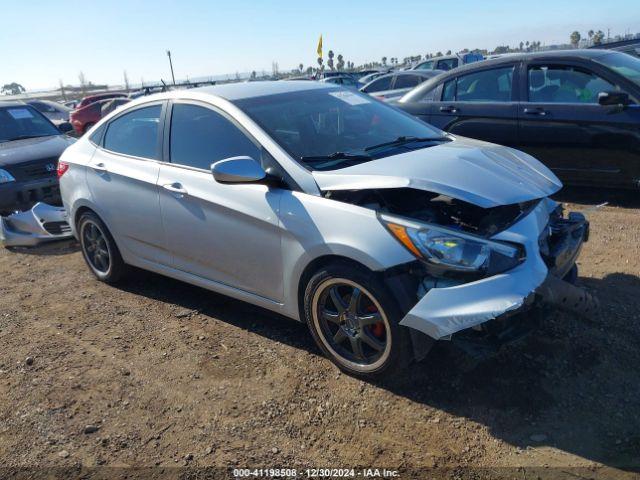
x=381, y=232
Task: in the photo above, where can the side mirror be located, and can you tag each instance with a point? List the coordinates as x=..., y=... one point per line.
x=65, y=127
x=613, y=98
x=238, y=170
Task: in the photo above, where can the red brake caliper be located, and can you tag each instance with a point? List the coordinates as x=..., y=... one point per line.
x=377, y=328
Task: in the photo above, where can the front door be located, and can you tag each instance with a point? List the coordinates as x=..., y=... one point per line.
x=479, y=105
x=122, y=177
x=563, y=126
x=228, y=233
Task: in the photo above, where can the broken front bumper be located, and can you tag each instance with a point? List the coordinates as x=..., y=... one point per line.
x=42, y=223
x=444, y=311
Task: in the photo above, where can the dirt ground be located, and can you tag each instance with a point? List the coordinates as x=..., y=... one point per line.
x=157, y=373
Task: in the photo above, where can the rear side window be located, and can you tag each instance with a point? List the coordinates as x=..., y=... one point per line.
x=408, y=81
x=447, y=64
x=425, y=66
x=135, y=133
x=201, y=136
x=383, y=83
x=485, y=86
x=565, y=84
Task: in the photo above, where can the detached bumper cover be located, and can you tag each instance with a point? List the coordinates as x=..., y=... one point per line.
x=42, y=223
x=445, y=311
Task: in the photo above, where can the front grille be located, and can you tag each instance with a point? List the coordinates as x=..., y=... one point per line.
x=57, y=228
x=43, y=169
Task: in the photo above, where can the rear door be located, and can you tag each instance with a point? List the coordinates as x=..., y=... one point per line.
x=122, y=177
x=481, y=104
x=562, y=124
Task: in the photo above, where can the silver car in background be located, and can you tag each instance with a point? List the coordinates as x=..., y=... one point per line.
x=379, y=231
x=394, y=85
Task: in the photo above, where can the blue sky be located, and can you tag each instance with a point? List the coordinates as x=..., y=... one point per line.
x=43, y=41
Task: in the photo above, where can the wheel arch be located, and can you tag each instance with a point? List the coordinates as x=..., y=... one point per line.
x=316, y=264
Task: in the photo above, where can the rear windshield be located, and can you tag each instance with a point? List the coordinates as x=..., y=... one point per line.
x=22, y=121
x=323, y=122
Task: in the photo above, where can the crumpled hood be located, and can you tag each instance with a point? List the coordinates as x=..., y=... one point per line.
x=477, y=172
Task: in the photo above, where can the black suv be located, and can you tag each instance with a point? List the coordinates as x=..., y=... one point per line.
x=576, y=111
x=30, y=146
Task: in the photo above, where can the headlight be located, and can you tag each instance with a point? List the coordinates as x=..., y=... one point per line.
x=451, y=249
x=6, y=177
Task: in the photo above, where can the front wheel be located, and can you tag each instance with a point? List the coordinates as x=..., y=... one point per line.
x=354, y=320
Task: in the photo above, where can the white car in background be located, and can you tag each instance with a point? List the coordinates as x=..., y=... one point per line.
x=394, y=85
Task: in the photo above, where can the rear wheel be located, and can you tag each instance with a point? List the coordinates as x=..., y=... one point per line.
x=354, y=320
x=99, y=249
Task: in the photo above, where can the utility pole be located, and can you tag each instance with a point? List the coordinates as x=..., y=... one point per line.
x=171, y=65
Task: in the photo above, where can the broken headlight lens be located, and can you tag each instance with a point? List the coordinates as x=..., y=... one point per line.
x=6, y=177
x=451, y=249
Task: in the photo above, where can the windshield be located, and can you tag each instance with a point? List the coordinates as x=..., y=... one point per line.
x=21, y=121
x=337, y=124
x=624, y=64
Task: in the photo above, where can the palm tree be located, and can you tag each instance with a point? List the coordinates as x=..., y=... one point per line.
x=384, y=61
x=330, y=61
x=590, y=33
x=301, y=68
x=527, y=44
x=575, y=38
x=340, y=62
x=598, y=37
x=521, y=45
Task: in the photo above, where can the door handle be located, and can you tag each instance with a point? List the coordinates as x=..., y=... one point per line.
x=176, y=189
x=449, y=109
x=535, y=111
x=99, y=167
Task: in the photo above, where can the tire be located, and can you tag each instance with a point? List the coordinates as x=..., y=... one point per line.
x=338, y=323
x=99, y=250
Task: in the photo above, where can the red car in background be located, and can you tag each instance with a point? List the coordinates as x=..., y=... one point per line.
x=88, y=111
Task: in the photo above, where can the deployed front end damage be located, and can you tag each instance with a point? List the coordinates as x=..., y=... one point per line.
x=537, y=280
x=532, y=248
x=43, y=223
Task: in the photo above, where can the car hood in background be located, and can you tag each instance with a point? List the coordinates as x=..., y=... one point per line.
x=18, y=151
x=477, y=172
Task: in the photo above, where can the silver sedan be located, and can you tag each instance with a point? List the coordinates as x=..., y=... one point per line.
x=382, y=233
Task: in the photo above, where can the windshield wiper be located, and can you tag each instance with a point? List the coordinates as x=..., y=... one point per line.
x=403, y=140
x=335, y=156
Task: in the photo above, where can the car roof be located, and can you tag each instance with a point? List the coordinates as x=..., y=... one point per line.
x=240, y=91
x=12, y=103
x=546, y=55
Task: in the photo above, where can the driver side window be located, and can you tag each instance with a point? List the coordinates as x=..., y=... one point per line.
x=200, y=136
x=565, y=84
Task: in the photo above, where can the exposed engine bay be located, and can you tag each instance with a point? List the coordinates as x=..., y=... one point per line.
x=436, y=209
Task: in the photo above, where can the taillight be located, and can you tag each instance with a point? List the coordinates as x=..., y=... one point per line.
x=62, y=168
